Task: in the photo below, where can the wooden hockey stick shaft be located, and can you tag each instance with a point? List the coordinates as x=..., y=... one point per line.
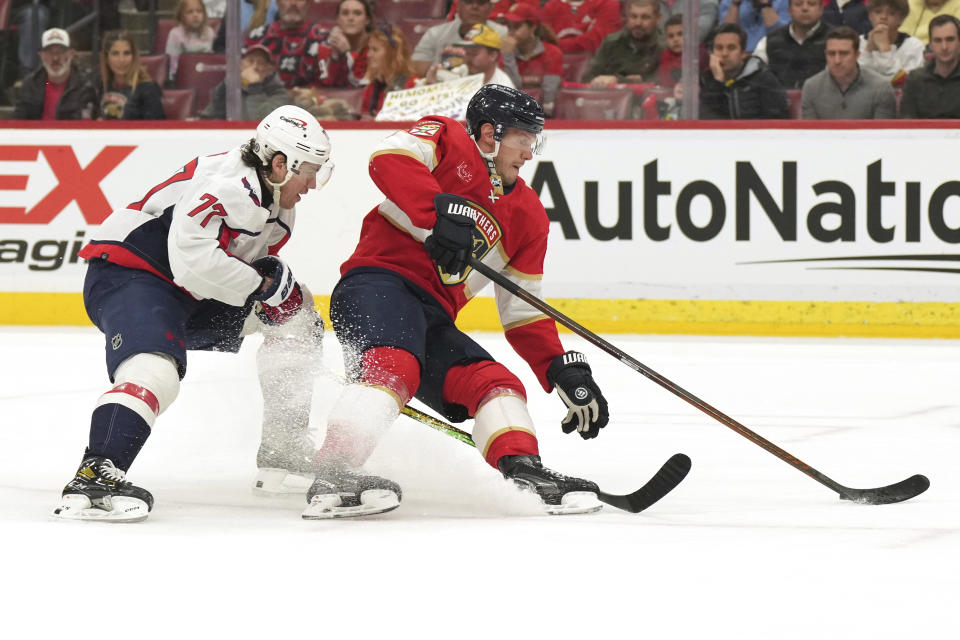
x=845, y=492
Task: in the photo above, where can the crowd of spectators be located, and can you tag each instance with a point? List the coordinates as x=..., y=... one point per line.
x=758, y=59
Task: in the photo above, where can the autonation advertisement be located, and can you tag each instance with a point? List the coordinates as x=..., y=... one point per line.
x=729, y=214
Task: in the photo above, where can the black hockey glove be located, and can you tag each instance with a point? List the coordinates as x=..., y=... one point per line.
x=451, y=243
x=586, y=406
x=283, y=298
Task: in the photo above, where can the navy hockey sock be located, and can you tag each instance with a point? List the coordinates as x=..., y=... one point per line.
x=117, y=433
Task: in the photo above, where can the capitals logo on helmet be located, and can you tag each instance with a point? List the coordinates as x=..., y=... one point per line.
x=296, y=134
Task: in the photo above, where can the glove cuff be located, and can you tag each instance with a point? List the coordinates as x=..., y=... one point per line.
x=566, y=361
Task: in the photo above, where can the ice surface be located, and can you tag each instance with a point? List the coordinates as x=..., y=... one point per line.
x=746, y=547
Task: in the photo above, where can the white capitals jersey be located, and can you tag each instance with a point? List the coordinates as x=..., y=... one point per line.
x=199, y=229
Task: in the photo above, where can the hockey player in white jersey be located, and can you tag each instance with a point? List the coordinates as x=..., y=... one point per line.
x=193, y=265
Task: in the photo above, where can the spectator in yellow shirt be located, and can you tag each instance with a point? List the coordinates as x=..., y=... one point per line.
x=917, y=22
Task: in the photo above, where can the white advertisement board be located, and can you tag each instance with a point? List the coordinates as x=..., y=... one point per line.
x=720, y=214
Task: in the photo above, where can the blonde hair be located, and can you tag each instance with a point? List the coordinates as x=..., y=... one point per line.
x=259, y=16
x=398, y=60
x=182, y=6
x=137, y=73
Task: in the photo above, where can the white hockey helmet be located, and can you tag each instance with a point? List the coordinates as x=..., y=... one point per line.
x=296, y=134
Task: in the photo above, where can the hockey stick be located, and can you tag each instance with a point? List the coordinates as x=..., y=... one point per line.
x=663, y=481
x=897, y=492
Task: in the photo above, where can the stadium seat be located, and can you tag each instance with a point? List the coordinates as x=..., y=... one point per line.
x=322, y=10
x=392, y=11
x=178, y=103
x=575, y=65
x=414, y=28
x=593, y=104
x=164, y=25
x=794, y=103
x=201, y=72
x=156, y=66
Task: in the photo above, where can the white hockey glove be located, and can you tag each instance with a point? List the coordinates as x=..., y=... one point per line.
x=283, y=298
x=586, y=407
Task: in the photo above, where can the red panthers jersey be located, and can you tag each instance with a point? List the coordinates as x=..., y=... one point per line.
x=437, y=156
x=289, y=48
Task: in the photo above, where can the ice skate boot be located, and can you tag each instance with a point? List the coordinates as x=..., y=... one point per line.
x=285, y=465
x=100, y=491
x=339, y=492
x=560, y=494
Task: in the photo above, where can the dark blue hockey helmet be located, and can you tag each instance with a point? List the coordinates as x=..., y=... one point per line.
x=504, y=108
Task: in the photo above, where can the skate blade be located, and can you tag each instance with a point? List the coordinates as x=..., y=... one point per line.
x=78, y=507
x=574, y=503
x=273, y=483
x=372, y=501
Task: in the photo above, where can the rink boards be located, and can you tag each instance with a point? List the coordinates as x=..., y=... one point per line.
x=656, y=227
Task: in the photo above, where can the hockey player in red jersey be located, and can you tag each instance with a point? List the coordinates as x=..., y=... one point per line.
x=193, y=265
x=450, y=192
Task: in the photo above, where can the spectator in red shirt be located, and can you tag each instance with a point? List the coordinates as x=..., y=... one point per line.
x=286, y=38
x=671, y=60
x=338, y=58
x=388, y=68
x=57, y=90
x=534, y=46
x=581, y=26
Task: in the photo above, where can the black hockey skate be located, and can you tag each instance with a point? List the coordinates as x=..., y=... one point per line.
x=285, y=466
x=339, y=492
x=100, y=491
x=560, y=494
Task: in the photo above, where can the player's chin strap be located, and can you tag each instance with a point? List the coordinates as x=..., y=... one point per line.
x=278, y=185
x=495, y=179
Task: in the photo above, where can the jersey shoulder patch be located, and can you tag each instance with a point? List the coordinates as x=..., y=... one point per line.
x=426, y=128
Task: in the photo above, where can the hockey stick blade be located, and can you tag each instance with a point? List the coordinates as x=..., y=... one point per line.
x=897, y=492
x=663, y=482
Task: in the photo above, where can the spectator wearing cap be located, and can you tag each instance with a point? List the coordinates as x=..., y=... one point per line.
x=539, y=60
x=933, y=91
x=261, y=90
x=126, y=90
x=481, y=54
x=58, y=89
x=581, y=25
x=438, y=43
x=632, y=54
x=886, y=49
x=844, y=90
x=192, y=33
